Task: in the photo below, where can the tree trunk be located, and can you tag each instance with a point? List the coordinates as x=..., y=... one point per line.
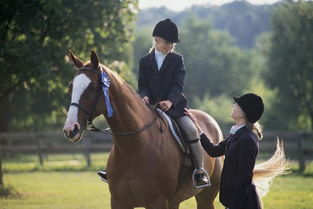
x=5, y=115
x=4, y=127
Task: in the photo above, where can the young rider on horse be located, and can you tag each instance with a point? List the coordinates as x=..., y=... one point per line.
x=240, y=149
x=161, y=82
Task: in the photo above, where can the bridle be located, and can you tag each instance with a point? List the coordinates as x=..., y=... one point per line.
x=90, y=113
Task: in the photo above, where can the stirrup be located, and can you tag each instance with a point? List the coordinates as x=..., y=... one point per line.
x=194, y=183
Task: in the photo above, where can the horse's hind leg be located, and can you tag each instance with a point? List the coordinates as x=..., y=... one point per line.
x=206, y=197
x=174, y=206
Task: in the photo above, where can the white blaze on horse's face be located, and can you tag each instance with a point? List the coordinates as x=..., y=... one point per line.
x=80, y=83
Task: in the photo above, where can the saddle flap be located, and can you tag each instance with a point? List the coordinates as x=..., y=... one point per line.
x=176, y=131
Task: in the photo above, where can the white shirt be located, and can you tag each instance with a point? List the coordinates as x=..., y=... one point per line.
x=159, y=58
x=235, y=128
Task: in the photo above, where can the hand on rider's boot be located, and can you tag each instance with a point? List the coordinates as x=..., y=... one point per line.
x=145, y=99
x=165, y=105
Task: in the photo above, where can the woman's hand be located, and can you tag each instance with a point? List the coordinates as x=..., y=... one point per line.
x=165, y=105
x=194, y=119
x=145, y=99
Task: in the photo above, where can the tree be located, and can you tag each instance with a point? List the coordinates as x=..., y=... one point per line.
x=214, y=65
x=291, y=64
x=35, y=37
x=141, y=45
x=242, y=20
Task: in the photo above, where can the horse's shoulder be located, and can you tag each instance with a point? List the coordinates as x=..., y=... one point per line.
x=202, y=116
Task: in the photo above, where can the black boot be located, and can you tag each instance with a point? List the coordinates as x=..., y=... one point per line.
x=103, y=176
x=200, y=177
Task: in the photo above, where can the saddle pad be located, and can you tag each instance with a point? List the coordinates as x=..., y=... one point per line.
x=174, y=130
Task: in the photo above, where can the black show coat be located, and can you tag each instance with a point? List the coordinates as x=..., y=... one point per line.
x=164, y=84
x=237, y=190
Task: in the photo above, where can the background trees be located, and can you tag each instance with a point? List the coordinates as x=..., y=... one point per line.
x=290, y=61
x=228, y=50
x=249, y=55
x=35, y=37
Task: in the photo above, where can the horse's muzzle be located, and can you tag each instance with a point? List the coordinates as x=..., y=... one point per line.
x=73, y=135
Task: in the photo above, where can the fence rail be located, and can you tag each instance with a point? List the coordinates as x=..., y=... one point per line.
x=298, y=145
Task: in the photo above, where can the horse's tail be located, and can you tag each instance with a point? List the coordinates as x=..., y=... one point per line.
x=265, y=172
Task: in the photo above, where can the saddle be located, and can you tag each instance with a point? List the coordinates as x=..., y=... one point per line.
x=178, y=134
x=181, y=138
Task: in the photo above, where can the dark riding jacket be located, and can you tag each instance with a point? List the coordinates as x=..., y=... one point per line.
x=237, y=190
x=164, y=84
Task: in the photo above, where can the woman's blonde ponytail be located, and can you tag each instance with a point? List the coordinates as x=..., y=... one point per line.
x=257, y=129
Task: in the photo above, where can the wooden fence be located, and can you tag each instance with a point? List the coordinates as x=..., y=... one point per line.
x=298, y=145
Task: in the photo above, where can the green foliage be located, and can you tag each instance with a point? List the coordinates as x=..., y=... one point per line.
x=242, y=20
x=216, y=69
x=35, y=36
x=291, y=64
x=270, y=119
x=141, y=44
x=214, y=65
x=218, y=107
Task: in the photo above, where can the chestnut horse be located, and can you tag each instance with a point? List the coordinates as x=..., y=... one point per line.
x=146, y=166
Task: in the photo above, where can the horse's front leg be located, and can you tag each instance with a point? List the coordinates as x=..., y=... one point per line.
x=119, y=204
x=159, y=203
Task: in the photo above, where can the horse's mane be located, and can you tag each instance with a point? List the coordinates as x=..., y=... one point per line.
x=115, y=77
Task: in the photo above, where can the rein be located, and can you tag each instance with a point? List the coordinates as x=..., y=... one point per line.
x=107, y=131
x=89, y=113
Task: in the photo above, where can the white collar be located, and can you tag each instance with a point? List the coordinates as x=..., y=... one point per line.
x=235, y=128
x=158, y=53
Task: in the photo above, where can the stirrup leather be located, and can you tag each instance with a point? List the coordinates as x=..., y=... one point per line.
x=194, y=183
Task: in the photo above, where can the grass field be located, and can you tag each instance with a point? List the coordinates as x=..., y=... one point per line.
x=65, y=183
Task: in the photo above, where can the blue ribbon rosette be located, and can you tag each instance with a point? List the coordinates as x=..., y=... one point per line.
x=105, y=86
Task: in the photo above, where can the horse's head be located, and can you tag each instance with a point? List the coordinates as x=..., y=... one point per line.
x=87, y=99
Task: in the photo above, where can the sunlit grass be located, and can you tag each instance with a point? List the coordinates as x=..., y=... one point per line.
x=74, y=162
x=78, y=187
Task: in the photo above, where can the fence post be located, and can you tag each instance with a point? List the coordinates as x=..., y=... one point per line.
x=87, y=149
x=301, y=153
x=39, y=148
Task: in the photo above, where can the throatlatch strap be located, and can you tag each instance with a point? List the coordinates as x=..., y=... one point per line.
x=193, y=141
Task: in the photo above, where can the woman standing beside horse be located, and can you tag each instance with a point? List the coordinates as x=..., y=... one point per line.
x=237, y=190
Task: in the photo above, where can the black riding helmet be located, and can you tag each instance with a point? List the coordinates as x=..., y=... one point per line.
x=167, y=30
x=252, y=105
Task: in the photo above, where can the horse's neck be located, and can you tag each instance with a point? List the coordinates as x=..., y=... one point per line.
x=130, y=113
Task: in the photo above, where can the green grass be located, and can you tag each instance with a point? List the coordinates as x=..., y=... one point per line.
x=62, y=184
x=71, y=162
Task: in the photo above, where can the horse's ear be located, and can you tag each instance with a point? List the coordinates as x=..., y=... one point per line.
x=94, y=59
x=77, y=62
